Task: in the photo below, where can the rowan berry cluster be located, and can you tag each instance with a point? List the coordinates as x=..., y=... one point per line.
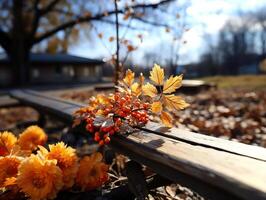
x=119, y=111
x=131, y=105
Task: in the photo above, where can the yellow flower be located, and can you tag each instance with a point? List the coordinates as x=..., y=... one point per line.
x=92, y=172
x=39, y=179
x=9, y=168
x=7, y=142
x=67, y=161
x=31, y=138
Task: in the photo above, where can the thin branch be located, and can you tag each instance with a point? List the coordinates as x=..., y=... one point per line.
x=122, y=25
x=36, y=19
x=151, y=22
x=96, y=17
x=58, y=10
x=117, y=66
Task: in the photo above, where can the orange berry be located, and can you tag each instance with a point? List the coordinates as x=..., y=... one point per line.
x=97, y=138
x=111, y=132
x=101, y=142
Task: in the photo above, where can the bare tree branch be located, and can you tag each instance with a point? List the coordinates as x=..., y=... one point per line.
x=36, y=19
x=102, y=20
x=96, y=17
x=118, y=68
x=150, y=22
x=49, y=7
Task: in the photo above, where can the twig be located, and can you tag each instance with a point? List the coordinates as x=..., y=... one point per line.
x=117, y=67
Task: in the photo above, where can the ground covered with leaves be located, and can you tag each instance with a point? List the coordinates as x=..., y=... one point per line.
x=235, y=114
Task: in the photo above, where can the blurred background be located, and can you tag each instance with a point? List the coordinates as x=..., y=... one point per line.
x=46, y=42
x=72, y=46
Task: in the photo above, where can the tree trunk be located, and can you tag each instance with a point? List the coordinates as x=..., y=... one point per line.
x=19, y=63
x=19, y=53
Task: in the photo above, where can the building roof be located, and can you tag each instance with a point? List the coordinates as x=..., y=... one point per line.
x=59, y=58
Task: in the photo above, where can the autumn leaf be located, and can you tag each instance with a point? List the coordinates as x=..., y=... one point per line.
x=167, y=30
x=156, y=107
x=100, y=35
x=102, y=99
x=149, y=90
x=173, y=102
x=125, y=42
x=130, y=48
x=157, y=75
x=136, y=89
x=127, y=15
x=171, y=84
x=166, y=119
x=129, y=78
x=111, y=39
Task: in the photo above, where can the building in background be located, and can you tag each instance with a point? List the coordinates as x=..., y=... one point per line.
x=55, y=69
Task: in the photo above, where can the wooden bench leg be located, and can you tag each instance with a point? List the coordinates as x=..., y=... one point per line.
x=136, y=180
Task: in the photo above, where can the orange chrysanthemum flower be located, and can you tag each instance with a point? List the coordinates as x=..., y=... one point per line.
x=9, y=182
x=7, y=142
x=92, y=172
x=67, y=160
x=9, y=168
x=39, y=179
x=31, y=138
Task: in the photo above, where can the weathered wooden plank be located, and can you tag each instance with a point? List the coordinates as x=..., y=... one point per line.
x=45, y=104
x=208, y=141
x=243, y=177
x=6, y=102
x=215, y=167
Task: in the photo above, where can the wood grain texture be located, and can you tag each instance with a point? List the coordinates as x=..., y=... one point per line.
x=217, y=168
x=240, y=175
x=208, y=141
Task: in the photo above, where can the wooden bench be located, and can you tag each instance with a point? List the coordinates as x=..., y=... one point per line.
x=7, y=102
x=215, y=168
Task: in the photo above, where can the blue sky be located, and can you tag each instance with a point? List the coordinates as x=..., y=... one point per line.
x=203, y=18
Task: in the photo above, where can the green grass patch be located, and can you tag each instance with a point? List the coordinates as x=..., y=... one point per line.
x=253, y=82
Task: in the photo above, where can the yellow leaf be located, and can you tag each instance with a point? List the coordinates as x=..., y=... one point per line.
x=156, y=107
x=166, y=119
x=129, y=78
x=136, y=89
x=171, y=84
x=100, y=35
x=127, y=15
x=130, y=48
x=173, y=102
x=111, y=39
x=157, y=75
x=149, y=90
x=102, y=99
